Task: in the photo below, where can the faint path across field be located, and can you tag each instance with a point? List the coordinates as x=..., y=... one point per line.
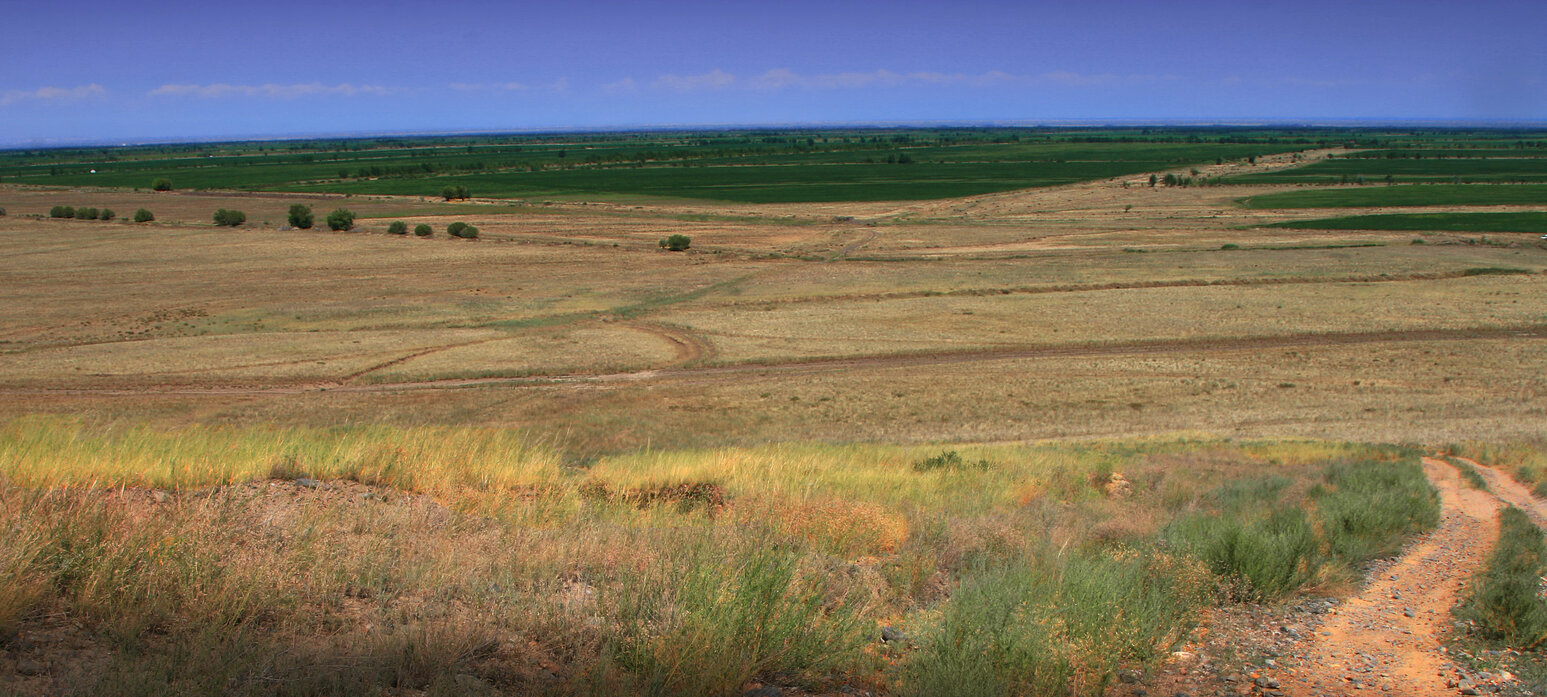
x=1388, y=639
x=701, y=373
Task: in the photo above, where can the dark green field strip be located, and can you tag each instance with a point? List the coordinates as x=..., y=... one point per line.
x=766, y=184
x=1445, y=153
x=1406, y=195
x=1525, y=222
x=1429, y=222
x=1346, y=170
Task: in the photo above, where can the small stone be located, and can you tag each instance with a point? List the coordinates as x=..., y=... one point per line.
x=306, y=483
x=1129, y=676
x=890, y=634
x=762, y=691
x=159, y=495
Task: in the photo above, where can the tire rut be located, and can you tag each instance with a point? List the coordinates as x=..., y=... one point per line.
x=1390, y=637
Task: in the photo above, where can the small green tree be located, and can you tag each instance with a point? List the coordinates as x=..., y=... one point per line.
x=143, y=216
x=423, y=230
x=162, y=184
x=469, y=233
x=1153, y=179
x=675, y=243
x=398, y=227
x=2, y=211
x=341, y=219
x=301, y=216
x=104, y=214
x=86, y=213
x=230, y=218
x=452, y=193
x=457, y=228
x=61, y=212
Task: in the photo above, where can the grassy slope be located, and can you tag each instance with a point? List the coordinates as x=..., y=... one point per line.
x=662, y=572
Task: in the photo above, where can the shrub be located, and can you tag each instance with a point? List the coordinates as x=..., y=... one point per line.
x=1267, y=557
x=423, y=230
x=230, y=218
x=341, y=219
x=675, y=243
x=300, y=216
x=86, y=214
x=452, y=193
x=61, y=212
x=143, y=216
x=1368, y=509
x=104, y=214
x=948, y=460
x=461, y=229
x=1229, y=245
x=1504, y=603
x=1058, y=626
x=162, y=184
x=720, y=619
x=2, y=211
x=398, y=227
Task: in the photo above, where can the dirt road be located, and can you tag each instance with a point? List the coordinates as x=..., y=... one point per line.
x=1388, y=639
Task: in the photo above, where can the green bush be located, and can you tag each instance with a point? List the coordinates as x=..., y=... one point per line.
x=1265, y=557
x=949, y=460
x=341, y=219
x=86, y=214
x=714, y=623
x=230, y=218
x=143, y=216
x=675, y=243
x=104, y=214
x=461, y=229
x=1505, y=603
x=1368, y=509
x=161, y=184
x=423, y=230
x=1055, y=626
x=61, y=212
x=2, y=211
x=398, y=227
x=452, y=193
x=300, y=216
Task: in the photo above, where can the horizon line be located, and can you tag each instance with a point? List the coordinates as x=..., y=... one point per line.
x=1322, y=122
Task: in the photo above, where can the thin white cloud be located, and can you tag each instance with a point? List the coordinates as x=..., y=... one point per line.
x=784, y=78
x=624, y=86
x=558, y=85
x=712, y=80
x=271, y=90
x=52, y=94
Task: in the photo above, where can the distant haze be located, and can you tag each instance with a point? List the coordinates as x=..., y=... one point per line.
x=104, y=72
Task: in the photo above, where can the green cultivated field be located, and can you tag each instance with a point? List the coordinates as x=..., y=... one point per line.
x=1439, y=222
x=1350, y=170
x=1405, y=195
x=755, y=166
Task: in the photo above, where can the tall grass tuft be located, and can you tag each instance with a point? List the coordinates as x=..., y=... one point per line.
x=1505, y=602
x=712, y=621
x=1261, y=556
x=1058, y=626
x=1369, y=508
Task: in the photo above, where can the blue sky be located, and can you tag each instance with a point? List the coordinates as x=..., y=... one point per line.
x=112, y=71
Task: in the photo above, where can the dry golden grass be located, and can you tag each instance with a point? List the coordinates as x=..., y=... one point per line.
x=691, y=525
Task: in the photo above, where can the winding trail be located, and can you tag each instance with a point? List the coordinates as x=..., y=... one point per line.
x=1388, y=639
